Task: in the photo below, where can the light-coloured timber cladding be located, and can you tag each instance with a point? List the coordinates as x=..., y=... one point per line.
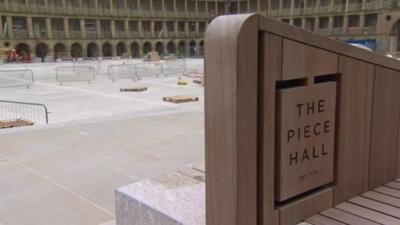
x=295, y=122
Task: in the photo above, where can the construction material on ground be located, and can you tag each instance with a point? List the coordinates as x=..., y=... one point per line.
x=134, y=89
x=75, y=73
x=152, y=56
x=16, y=78
x=35, y=112
x=180, y=99
x=15, y=123
x=181, y=81
x=199, y=81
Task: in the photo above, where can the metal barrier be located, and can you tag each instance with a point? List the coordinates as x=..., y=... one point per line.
x=75, y=73
x=148, y=69
x=16, y=78
x=37, y=113
x=122, y=71
x=93, y=62
x=173, y=67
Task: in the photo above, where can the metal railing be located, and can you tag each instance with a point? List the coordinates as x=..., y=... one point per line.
x=175, y=67
x=16, y=78
x=75, y=73
x=122, y=71
x=34, y=112
x=148, y=69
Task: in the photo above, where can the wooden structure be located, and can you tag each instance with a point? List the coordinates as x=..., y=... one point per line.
x=181, y=99
x=295, y=122
x=15, y=123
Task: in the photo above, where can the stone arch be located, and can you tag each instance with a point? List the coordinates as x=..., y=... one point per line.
x=41, y=51
x=171, y=47
x=107, y=49
x=121, y=48
x=92, y=50
x=192, y=48
x=76, y=50
x=182, y=48
x=22, y=49
x=147, y=47
x=160, y=48
x=59, y=49
x=394, y=40
x=135, y=49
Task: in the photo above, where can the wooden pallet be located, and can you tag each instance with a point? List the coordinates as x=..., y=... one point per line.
x=15, y=123
x=180, y=99
x=134, y=89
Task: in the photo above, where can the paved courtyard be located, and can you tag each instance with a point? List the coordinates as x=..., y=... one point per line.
x=98, y=139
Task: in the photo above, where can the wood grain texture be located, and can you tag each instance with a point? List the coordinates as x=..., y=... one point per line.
x=388, y=191
x=297, y=211
x=355, y=94
x=270, y=72
x=376, y=206
x=323, y=220
x=300, y=60
x=368, y=214
x=231, y=120
x=382, y=198
x=346, y=217
x=279, y=28
x=385, y=127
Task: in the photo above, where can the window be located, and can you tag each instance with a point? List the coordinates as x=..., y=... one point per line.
x=354, y=20
x=370, y=20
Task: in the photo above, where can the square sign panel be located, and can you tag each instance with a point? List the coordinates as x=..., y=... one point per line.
x=305, y=138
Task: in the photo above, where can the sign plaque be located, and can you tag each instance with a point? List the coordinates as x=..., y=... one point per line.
x=305, y=138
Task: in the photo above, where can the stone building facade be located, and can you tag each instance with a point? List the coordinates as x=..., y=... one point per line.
x=91, y=28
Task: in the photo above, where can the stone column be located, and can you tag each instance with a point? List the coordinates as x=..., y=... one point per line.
x=127, y=31
x=96, y=6
x=6, y=5
x=49, y=28
x=1, y=31
x=66, y=27
x=187, y=28
x=347, y=5
x=29, y=25
x=10, y=27
x=68, y=50
x=175, y=8
x=65, y=5
x=98, y=28
x=280, y=6
x=140, y=29
x=318, y=5
x=197, y=29
x=291, y=21
x=196, y=7
x=269, y=7
x=152, y=28
x=46, y=5
x=176, y=28
x=291, y=7
x=362, y=21
x=303, y=23
x=345, y=23
x=186, y=6
x=111, y=7
x=114, y=49
x=363, y=4
x=125, y=7
x=316, y=25
x=207, y=13
x=80, y=6
x=330, y=24
x=113, y=28
x=165, y=29
x=83, y=28
x=151, y=6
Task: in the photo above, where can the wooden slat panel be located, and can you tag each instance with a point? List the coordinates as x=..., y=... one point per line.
x=300, y=60
x=354, y=121
x=395, y=185
x=382, y=198
x=385, y=127
x=368, y=214
x=283, y=29
x=304, y=208
x=377, y=206
x=346, y=217
x=231, y=121
x=270, y=72
x=322, y=220
x=388, y=191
